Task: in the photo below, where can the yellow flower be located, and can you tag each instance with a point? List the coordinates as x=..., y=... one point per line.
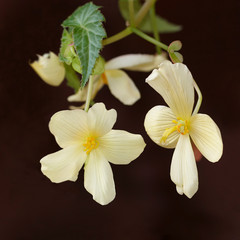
x=49, y=68
x=87, y=138
x=120, y=84
x=174, y=127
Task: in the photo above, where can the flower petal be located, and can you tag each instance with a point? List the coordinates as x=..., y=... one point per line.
x=183, y=167
x=49, y=68
x=69, y=127
x=157, y=120
x=206, y=136
x=98, y=178
x=81, y=95
x=63, y=165
x=148, y=66
x=135, y=62
x=122, y=87
x=101, y=120
x=174, y=83
x=121, y=147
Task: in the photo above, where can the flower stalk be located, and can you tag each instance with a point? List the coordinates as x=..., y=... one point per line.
x=89, y=94
x=143, y=11
x=149, y=39
x=133, y=22
x=199, y=102
x=154, y=27
x=126, y=32
x=131, y=12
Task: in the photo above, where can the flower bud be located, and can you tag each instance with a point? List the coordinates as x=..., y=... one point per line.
x=49, y=68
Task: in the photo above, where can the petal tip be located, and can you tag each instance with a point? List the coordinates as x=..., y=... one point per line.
x=152, y=76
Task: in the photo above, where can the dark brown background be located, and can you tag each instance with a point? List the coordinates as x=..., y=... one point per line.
x=147, y=205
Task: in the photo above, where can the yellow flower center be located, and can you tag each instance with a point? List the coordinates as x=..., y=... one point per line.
x=181, y=126
x=90, y=144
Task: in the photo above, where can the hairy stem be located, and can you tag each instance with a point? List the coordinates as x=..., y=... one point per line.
x=131, y=12
x=127, y=31
x=154, y=27
x=143, y=11
x=149, y=39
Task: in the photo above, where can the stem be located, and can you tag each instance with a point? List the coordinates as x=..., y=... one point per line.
x=149, y=39
x=89, y=93
x=154, y=26
x=143, y=11
x=127, y=31
x=131, y=12
x=199, y=102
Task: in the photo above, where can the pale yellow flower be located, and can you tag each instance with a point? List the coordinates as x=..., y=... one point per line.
x=87, y=138
x=120, y=84
x=175, y=127
x=49, y=68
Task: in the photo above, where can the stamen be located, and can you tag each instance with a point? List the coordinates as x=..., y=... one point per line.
x=181, y=126
x=167, y=132
x=90, y=144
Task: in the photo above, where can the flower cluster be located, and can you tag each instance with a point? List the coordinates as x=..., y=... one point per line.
x=120, y=84
x=86, y=136
x=52, y=71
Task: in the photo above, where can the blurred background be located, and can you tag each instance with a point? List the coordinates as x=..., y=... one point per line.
x=147, y=205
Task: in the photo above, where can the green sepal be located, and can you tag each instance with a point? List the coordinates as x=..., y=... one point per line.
x=173, y=49
x=72, y=79
x=98, y=67
x=174, y=46
x=176, y=57
x=67, y=52
x=88, y=33
x=163, y=25
x=76, y=64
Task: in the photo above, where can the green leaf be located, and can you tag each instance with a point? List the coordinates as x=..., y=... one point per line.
x=88, y=32
x=164, y=26
x=98, y=67
x=67, y=52
x=123, y=7
x=72, y=78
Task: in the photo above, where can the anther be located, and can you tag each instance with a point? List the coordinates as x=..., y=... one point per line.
x=90, y=144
